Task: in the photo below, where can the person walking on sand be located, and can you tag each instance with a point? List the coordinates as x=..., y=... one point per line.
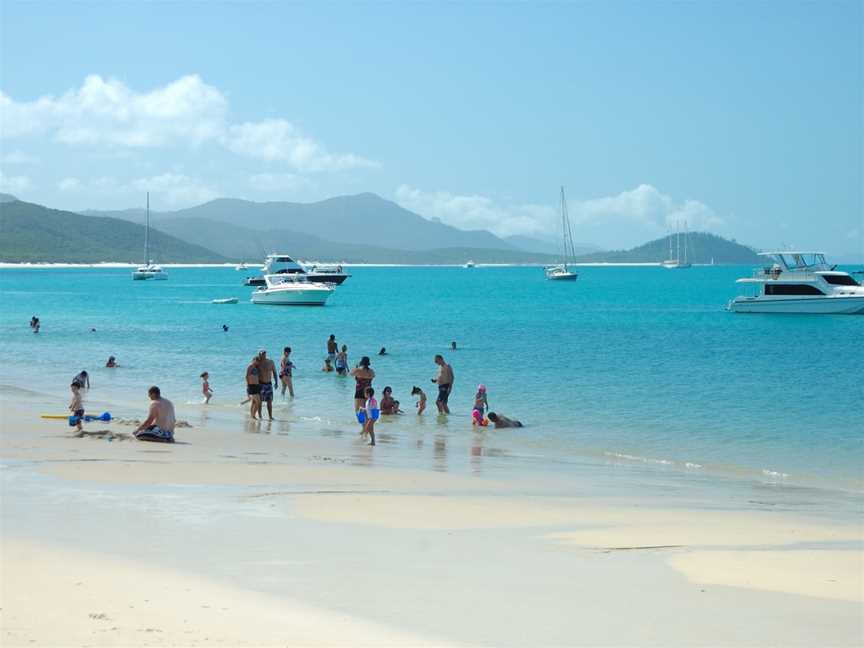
x=205, y=387
x=83, y=380
x=444, y=380
x=160, y=422
x=332, y=348
x=363, y=375
x=76, y=406
x=253, y=388
x=286, y=368
x=269, y=381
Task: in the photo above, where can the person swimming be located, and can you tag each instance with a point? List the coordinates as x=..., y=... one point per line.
x=383, y=351
x=112, y=362
x=502, y=421
x=389, y=405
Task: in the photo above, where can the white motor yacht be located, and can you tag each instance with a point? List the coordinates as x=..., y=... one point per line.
x=283, y=264
x=799, y=282
x=470, y=264
x=291, y=290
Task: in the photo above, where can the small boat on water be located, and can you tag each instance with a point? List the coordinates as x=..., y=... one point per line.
x=561, y=271
x=240, y=266
x=284, y=264
x=226, y=300
x=799, y=282
x=470, y=264
x=149, y=270
x=291, y=290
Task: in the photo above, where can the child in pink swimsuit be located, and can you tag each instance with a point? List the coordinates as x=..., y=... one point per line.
x=205, y=387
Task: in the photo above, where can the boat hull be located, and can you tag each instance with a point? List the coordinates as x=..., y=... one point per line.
x=324, y=277
x=291, y=298
x=842, y=305
x=567, y=276
x=142, y=276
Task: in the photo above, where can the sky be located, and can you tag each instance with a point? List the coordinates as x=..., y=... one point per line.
x=741, y=118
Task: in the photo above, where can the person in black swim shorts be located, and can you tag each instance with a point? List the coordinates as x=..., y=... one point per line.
x=253, y=388
x=444, y=380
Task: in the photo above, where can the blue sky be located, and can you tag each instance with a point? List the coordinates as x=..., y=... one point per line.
x=742, y=118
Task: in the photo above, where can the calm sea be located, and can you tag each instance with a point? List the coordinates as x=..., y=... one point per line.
x=628, y=364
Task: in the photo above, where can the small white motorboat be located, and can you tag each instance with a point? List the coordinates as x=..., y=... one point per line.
x=799, y=282
x=470, y=264
x=241, y=266
x=291, y=290
x=226, y=300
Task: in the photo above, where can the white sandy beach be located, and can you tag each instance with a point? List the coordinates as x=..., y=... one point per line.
x=236, y=539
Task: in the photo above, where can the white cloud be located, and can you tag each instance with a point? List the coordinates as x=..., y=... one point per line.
x=18, y=157
x=176, y=189
x=277, y=139
x=643, y=211
x=107, y=113
x=278, y=182
x=69, y=184
x=14, y=183
x=477, y=212
x=646, y=206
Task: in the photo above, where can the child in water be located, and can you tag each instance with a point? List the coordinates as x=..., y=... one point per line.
x=76, y=406
x=205, y=387
x=370, y=407
x=342, y=361
x=421, y=402
x=481, y=404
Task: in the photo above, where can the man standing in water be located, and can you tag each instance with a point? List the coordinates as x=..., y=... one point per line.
x=253, y=388
x=269, y=381
x=444, y=380
x=332, y=348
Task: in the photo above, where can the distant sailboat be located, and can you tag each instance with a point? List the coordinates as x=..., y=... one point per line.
x=562, y=272
x=677, y=263
x=149, y=270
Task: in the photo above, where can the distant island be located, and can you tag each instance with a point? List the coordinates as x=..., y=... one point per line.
x=347, y=229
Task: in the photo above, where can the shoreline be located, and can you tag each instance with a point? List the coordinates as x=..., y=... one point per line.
x=270, y=528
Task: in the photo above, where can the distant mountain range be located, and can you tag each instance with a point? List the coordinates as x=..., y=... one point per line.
x=353, y=229
x=33, y=233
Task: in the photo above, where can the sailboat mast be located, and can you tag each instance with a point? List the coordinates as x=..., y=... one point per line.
x=686, y=232
x=678, y=242
x=564, y=229
x=147, y=233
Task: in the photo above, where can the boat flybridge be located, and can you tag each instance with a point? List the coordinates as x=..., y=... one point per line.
x=291, y=290
x=278, y=264
x=561, y=271
x=149, y=270
x=799, y=282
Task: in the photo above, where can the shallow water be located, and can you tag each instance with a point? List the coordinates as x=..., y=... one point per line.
x=633, y=365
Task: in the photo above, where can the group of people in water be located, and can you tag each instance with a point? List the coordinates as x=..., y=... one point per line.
x=263, y=378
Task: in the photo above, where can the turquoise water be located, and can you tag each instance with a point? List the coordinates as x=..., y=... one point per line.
x=627, y=364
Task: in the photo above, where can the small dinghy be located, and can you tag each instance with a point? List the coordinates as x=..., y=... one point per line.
x=226, y=300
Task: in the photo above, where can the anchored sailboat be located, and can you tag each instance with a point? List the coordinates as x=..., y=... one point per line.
x=149, y=270
x=677, y=262
x=561, y=271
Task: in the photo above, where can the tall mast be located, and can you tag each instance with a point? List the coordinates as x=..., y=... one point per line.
x=678, y=242
x=569, y=250
x=147, y=234
x=686, y=232
x=564, y=229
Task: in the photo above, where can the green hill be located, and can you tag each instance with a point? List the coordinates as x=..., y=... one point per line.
x=33, y=233
x=701, y=248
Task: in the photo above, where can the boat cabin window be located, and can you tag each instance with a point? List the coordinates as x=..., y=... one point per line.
x=840, y=280
x=791, y=289
x=802, y=261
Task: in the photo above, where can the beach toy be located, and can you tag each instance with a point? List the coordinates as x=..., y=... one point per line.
x=375, y=413
x=104, y=416
x=226, y=300
x=361, y=416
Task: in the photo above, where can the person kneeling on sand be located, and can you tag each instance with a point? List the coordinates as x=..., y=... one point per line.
x=160, y=422
x=502, y=421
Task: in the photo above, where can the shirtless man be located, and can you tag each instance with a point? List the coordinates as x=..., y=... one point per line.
x=160, y=422
x=268, y=379
x=444, y=380
x=501, y=421
x=332, y=348
x=253, y=388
